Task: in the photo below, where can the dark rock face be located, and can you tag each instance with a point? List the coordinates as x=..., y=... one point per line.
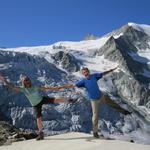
x=9, y=134
x=131, y=89
x=136, y=37
x=120, y=51
x=5, y=131
x=12, y=66
x=132, y=83
x=130, y=33
x=23, y=63
x=67, y=61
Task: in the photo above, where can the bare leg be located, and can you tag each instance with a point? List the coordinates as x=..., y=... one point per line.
x=61, y=100
x=39, y=124
x=48, y=100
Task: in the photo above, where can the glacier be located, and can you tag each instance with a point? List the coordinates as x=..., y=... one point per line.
x=59, y=63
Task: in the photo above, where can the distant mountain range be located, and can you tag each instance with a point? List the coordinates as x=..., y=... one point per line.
x=60, y=63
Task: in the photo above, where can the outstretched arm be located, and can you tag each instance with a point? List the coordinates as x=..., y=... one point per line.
x=106, y=72
x=50, y=87
x=9, y=84
x=67, y=86
x=78, y=84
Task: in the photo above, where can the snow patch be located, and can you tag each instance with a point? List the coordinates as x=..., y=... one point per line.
x=117, y=36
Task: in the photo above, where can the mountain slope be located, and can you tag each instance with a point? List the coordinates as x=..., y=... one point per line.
x=60, y=64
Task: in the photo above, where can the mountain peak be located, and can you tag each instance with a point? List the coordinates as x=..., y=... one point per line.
x=90, y=36
x=132, y=24
x=140, y=27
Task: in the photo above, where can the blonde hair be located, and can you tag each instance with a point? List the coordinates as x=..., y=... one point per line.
x=22, y=79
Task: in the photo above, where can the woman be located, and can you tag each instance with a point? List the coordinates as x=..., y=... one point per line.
x=36, y=99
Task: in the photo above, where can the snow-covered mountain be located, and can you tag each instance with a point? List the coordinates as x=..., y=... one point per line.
x=59, y=63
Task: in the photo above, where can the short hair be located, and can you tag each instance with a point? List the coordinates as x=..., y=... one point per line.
x=85, y=68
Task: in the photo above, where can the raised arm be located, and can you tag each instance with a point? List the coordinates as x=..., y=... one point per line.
x=9, y=84
x=106, y=72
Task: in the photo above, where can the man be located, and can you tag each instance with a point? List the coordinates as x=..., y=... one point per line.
x=36, y=99
x=95, y=95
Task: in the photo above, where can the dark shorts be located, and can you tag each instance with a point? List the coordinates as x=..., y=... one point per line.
x=38, y=107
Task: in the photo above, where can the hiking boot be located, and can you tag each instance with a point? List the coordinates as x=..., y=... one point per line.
x=96, y=135
x=40, y=136
x=71, y=100
x=101, y=136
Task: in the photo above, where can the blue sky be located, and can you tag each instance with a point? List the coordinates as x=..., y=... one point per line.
x=43, y=22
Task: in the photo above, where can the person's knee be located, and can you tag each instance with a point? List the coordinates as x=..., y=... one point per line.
x=39, y=116
x=95, y=116
x=95, y=112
